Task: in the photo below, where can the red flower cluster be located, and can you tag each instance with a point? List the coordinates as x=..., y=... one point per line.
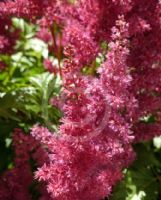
x=87, y=158
x=15, y=183
x=8, y=37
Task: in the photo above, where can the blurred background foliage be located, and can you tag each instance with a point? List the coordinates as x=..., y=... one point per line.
x=142, y=181
x=25, y=92
x=25, y=89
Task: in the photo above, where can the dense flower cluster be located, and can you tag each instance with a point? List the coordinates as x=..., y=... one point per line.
x=15, y=182
x=94, y=135
x=106, y=111
x=8, y=37
x=144, y=59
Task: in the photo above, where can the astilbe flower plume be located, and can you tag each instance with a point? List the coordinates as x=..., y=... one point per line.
x=15, y=182
x=33, y=10
x=144, y=51
x=116, y=92
x=145, y=55
x=93, y=135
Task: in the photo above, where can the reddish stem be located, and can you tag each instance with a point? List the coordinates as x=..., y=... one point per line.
x=58, y=50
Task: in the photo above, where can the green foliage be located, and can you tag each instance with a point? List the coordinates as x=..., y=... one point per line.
x=25, y=90
x=142, y=181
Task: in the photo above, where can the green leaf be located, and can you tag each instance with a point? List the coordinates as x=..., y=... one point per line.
x=141, y=181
